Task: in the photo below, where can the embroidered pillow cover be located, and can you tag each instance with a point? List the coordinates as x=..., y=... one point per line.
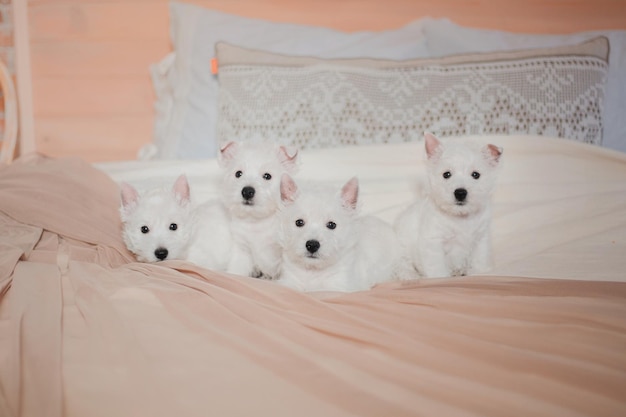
x=314, y=103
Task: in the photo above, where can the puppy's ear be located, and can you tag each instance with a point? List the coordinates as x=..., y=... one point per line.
x=492, y=153
x=288, y=157
x=432, y=145
x=288, y=189
x=129, y=195
x=350, y=194
x=227, y=152
x=181, y=190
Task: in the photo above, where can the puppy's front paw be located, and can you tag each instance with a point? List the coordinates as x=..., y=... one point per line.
x=257, y=273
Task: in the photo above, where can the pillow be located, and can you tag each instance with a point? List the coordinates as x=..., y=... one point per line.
x=311, y=102
x=445, y=38
x=186, y=108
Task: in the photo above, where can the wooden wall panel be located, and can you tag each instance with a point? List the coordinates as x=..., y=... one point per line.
x=102, y=59
x=98, y=20
x=91, y=89
x=92, y=92
x=533, y=16
x=95, y=138
x=124, y=96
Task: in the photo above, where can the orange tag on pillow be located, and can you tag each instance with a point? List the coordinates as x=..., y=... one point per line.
x=213, y=66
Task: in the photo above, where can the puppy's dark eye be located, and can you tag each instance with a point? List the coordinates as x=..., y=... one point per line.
x=267, y=176
x=173, y=226
x=238, y=174
x=331, y=225
x=447, y=174
x=299, y=222
x=475, y=175
x=145, y=229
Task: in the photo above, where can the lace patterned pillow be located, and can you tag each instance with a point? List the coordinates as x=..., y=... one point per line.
x=313, y=103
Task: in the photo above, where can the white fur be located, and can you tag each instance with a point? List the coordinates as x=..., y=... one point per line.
x=257, y=166
x=442, y=236
x=202, y=234
x=212, y=242
x=355, y=254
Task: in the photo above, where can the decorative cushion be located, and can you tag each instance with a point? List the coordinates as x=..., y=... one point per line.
x=311, y=102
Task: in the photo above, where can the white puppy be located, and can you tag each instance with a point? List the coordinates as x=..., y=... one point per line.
x=327, y=246
x=162, y=223
x=447, y=232
x=251, y=194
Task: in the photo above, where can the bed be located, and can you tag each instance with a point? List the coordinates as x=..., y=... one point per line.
x=85, y=330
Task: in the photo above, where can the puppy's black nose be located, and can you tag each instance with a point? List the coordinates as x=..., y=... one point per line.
x=161, y=253
x=312, y=245
x=460, y=194
x=247, y=192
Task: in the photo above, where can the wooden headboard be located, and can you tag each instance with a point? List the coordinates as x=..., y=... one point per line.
x=82, y=65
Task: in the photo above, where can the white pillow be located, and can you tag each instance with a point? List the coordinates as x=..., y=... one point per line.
x=445, y=38
x=186, y=108
x=308, y=102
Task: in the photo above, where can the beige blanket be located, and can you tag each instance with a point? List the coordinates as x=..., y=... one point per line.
x=85, y=331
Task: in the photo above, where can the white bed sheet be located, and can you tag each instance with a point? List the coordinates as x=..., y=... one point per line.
x=559, y=206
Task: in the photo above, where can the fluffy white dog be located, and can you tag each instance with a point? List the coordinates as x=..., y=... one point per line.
x=251, y=194
x=447, y=231
x=327, y=246
x=162, y=223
